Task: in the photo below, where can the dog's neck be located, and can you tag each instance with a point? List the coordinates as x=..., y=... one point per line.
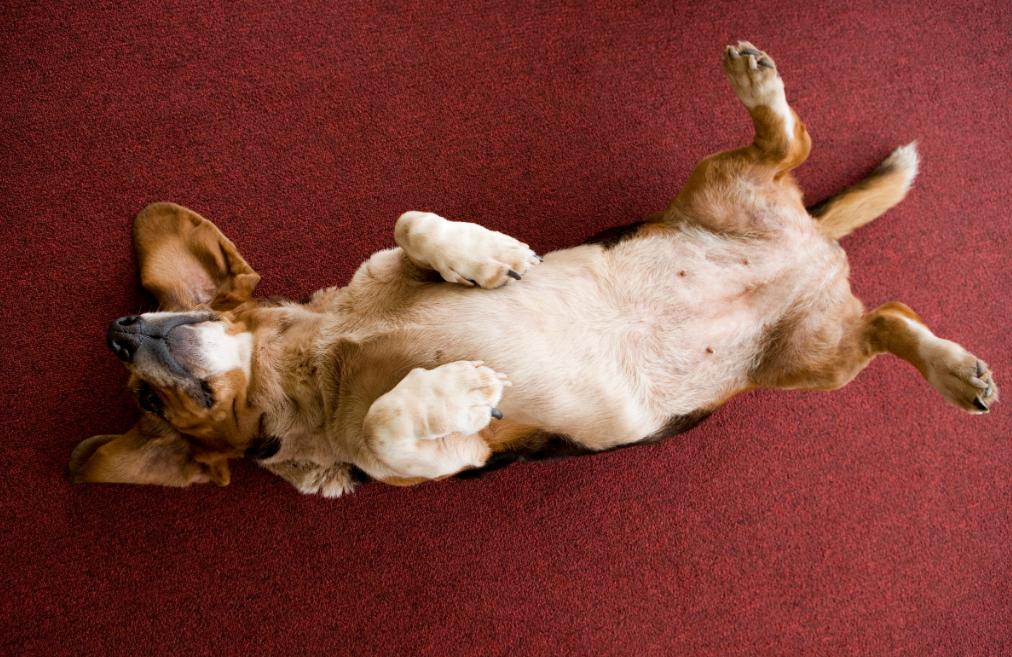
x=289, y=367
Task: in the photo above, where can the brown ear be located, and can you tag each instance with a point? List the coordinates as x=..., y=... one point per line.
x=151, y=453
x=185, y=261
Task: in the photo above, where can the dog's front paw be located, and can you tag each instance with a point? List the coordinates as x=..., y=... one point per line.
x=458, y=397
x=463, y=253
x=312, y=478
x=753, y=75
x=487, y=259
x=428, y=425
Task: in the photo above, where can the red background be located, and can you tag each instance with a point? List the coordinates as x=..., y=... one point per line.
x=869, y=521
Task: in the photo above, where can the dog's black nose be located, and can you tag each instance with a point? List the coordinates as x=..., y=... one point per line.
x=125, y=336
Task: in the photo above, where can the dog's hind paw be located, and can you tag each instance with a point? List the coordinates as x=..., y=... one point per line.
x=753, y=75
x=961, y=378
x=984, y=390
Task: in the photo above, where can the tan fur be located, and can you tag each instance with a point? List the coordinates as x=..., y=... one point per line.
x=854, y=207
x=150, y=453
x=186, y=261
x=733, y=287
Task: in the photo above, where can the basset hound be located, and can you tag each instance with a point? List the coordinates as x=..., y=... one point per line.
x=461, y=350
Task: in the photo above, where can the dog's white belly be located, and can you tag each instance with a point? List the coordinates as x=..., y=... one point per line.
x=608, y=346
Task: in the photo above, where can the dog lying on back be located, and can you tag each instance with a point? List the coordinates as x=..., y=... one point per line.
x=462, y=351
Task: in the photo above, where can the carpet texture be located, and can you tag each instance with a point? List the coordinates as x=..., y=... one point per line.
x=874, y=520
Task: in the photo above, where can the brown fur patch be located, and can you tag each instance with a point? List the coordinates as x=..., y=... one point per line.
x=150, y=453
x=852, y=208
x=185, y=261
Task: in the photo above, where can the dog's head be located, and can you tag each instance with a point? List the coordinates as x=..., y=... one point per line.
x=190, y=363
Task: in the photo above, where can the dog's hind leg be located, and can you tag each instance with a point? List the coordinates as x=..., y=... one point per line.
x=955, y=373
x=781, y=141
x=721, y=184
x=829, y=358
x=887, y=185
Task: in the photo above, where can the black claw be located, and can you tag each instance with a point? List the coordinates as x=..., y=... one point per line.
x=540, y=259
x=496, y=414
x=979, y=404
x=765, y=61
x=473, y=282
x=513, y=274
x=750, y=51
x=980, y=369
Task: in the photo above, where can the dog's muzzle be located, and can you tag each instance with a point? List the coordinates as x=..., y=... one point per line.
x=134, y=336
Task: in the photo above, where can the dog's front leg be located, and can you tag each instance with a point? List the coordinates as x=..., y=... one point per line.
x=427, y=425
x=461, y=252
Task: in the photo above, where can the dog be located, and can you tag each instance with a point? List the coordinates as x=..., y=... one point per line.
x=462, y=351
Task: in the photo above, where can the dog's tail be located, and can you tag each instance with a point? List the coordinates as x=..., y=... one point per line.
x=855, y=206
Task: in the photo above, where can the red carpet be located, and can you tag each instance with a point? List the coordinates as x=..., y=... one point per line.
x=870, y=521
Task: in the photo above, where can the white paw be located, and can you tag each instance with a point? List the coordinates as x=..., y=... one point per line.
x=331, y=482
x=461, y=252
x=428, y=425
x=312, y=478
x=337, y=482
x=954, y=372
x=753, y=76
x=960, y=377
x=457, y=397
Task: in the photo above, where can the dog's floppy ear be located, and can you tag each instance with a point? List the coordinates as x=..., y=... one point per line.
x=153, y=452
x=185, y=261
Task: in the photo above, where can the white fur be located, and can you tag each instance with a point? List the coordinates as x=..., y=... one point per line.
x=331, y=483
x=757, y=85
x=216, y=352
x=628, y=334
x=406, y=426
x=948, y=364
x=784, y=111
x=462, y=252
x=907, y=160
